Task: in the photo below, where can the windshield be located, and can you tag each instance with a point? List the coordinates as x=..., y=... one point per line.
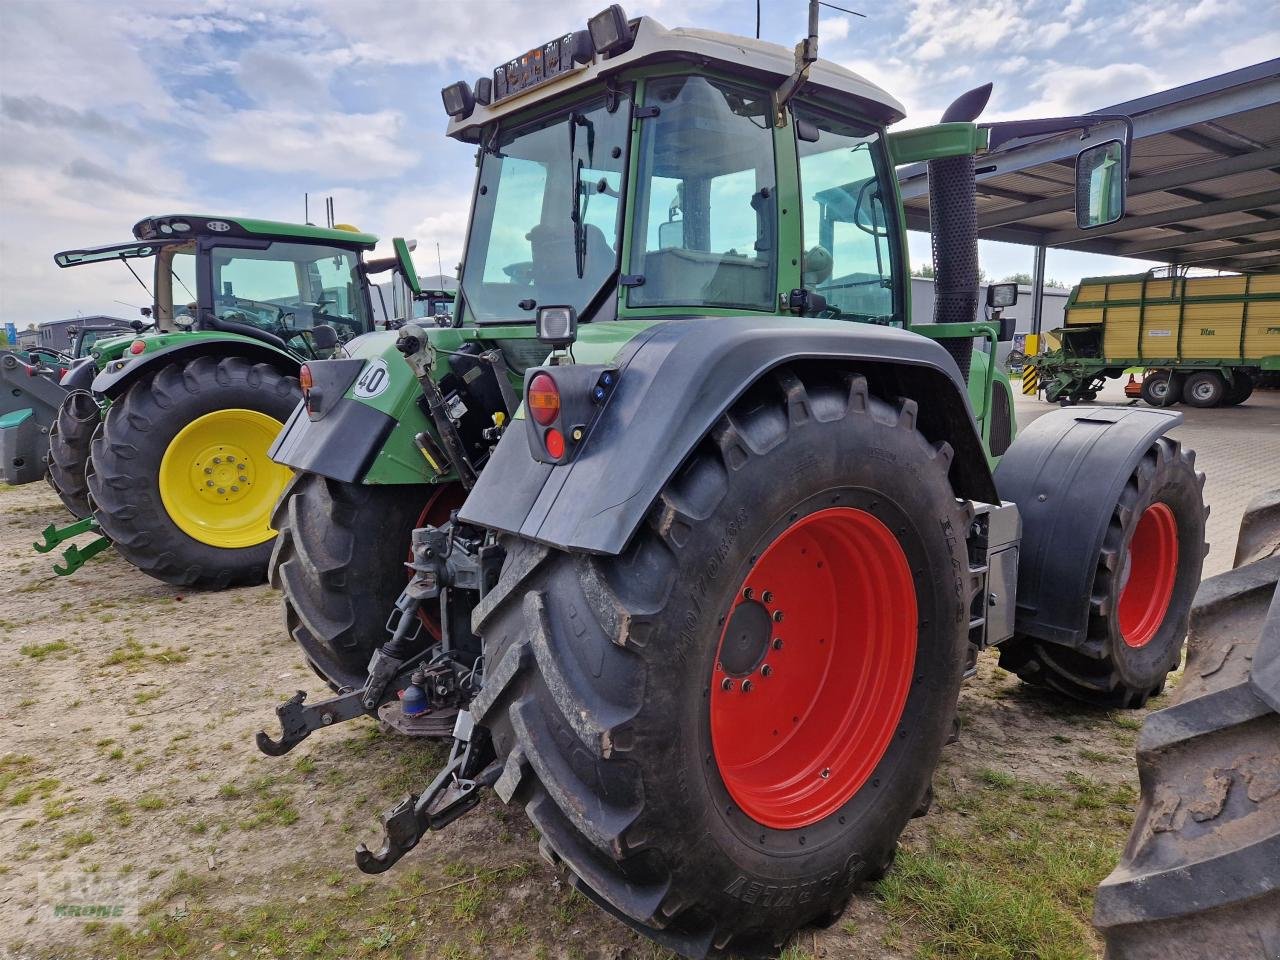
x=547, y=214
x=290, y=289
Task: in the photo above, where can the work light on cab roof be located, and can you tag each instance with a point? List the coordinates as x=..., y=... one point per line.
x=607, y=33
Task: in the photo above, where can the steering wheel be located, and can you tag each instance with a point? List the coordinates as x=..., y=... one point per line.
x=871, y=226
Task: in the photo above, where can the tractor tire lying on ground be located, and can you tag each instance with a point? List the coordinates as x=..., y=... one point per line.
x=1200, y=876
x=1142, y=591
x=180, y=477
x=671, y=719
x=339, y=563
x=70, y=438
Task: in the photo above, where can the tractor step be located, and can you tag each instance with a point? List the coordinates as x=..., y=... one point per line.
x=75, y=556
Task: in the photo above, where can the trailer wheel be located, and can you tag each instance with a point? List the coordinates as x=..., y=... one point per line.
x=1163, y=388
x=1241, y=389
x=1206, y=388
x=181, y=481
x=1143, y=586
x=339, y=563
x=1199, y=874
x=70, y=438
x=720, y=732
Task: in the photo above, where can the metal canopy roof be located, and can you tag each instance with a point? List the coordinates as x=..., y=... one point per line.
x=1204, y=179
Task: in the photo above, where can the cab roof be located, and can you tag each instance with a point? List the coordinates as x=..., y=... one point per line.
x=829, y=84
x=178, y=225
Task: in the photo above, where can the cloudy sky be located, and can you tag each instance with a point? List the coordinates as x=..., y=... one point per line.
x=113, y=110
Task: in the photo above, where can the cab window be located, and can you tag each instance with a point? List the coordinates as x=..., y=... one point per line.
x=848, y=253
x=705, y=226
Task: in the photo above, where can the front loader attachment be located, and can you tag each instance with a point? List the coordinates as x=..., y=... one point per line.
x=75, y=556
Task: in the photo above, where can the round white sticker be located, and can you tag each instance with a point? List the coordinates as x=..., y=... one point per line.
x=373, y=380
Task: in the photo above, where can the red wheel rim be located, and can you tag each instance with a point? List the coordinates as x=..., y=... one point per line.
x=444, y=500
x=802, y=716
x=1153, y=566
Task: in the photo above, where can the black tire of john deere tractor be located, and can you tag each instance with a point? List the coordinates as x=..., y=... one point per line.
x=1106, y=671
x=1241, y=389
x=1204, y=389
x=69, y=443
x=127, y=451
x=1200, y=876
x=1162, y=389
x=339, y=562
x=599, y=672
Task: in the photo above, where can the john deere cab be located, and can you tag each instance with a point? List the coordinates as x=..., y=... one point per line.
x=161, y=443
x=721, y=565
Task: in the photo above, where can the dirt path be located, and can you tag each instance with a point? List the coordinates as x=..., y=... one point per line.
x=130, y=786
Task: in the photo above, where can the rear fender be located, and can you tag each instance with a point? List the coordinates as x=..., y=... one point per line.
x=1066, y=472
x=118, y=375
x=676, y=380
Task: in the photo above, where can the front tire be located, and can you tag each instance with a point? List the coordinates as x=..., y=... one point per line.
x=616, y=687
x=181, y=481
x=70, y=440
x=1146, y=577
x=339, y=562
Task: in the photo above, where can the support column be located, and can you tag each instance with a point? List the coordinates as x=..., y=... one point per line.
x=1037, y=298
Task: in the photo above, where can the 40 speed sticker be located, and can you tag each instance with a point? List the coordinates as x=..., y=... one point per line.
x=373, y=380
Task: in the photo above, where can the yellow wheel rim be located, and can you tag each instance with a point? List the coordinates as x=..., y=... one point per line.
x=217, y=482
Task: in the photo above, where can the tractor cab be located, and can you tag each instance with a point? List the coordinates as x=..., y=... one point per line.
x=629, y=170
x=297, y=287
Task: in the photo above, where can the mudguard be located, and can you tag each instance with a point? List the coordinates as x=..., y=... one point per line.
x=80, y=374
x=118, y=375
x=1065, y=472
x=676, y=379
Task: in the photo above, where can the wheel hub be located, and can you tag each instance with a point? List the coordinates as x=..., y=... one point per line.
x=222, y=473
x=1151, y=566
x=813, y=667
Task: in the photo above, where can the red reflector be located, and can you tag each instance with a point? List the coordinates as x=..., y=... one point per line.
x=544, y=403
x=554, y=441
x=137, y=347
x=62, y=374
x=304, y=378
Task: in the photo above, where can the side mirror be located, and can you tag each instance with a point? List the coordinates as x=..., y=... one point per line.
x=407, y=268
x=1101, y=175
x=1000, y=295
x=671, y=235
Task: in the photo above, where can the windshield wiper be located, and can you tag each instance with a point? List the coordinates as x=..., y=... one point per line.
x=575, y=171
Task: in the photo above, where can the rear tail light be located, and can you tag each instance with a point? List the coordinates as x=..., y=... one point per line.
x=304, y=379
x=544, y=402
x=554, y=441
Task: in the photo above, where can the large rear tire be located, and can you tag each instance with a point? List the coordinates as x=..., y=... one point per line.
x=181, y=481
x=1200, y=876
x=70, y=439
x=339, y=562
x=1241, y=389
x=1143, y=586
x=637, y=701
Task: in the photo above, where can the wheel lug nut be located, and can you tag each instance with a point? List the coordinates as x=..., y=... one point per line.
x=208, y=469
x=235, y=489
x=826, y=773
x=747, y=686
x=217, y=459
x=777, y=616
x=222, y=489
x=726, y=684
x=766, y=671
x=748, y=593
x=230, y=459
x=767, y=596
x=244, y=479
x=208, y=483
x=777, y=644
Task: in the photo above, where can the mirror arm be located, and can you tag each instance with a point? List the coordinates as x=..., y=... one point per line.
x=1002, y=132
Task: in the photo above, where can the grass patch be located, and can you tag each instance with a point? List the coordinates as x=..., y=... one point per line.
x=38, y=651
x=1016, y=877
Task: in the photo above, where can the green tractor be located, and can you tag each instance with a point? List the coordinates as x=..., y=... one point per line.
x=161, y=442
x=701, y=594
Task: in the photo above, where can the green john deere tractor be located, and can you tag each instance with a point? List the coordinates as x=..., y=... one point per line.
x=161, y=442
x=701, y=594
